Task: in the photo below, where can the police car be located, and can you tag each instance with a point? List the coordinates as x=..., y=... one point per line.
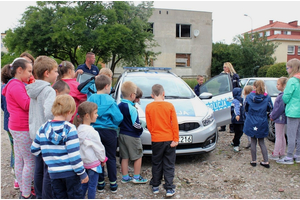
x=196, y=118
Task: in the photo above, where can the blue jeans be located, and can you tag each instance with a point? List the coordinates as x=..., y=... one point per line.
x=91, y=186
x=67, y=188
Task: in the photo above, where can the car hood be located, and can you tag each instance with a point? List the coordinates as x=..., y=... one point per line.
x=193, y=107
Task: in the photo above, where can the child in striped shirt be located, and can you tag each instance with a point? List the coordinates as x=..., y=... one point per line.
x=58, y=142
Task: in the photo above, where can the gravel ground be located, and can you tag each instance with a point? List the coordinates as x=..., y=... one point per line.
x=221, y=173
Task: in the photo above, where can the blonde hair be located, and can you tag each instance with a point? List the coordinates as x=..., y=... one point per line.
x=63, y=68
x=42, y=64
x=157, y=89
x=248, y=89
x=83, y=109
x=63, y=105
x=230, y=67
x=260, y=87
x=101, y=81
x=106, y=71
x=283, y=80
x=295, y=65
x=128, y=88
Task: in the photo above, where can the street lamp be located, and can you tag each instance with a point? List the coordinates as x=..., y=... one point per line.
x=251, y=22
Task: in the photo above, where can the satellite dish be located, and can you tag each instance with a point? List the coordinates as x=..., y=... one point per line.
x=196, y=32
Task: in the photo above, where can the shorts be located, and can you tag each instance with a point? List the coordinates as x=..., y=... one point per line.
x=130, y=147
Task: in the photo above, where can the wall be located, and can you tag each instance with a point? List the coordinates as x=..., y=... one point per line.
x=281, y=51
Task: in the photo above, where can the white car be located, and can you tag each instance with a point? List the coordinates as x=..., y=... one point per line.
x=270, y=87
x=197, y=125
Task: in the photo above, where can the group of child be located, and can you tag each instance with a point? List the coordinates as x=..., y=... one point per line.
x=250, y=116
x=62, y=137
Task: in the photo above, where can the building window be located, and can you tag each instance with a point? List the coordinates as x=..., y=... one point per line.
x=291, y=50
x=277, y=32
x=183, y=31
x=298, y=50
x=183, y=60
x=287, y=32
x=267, y=33
x=260, y=34
x=150, y=27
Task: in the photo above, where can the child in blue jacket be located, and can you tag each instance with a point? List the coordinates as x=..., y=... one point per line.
x=237, y=117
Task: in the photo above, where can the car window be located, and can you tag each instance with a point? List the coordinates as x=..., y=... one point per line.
x=174, y=87
x=271, y=87
x=217, y=85
x=243, y=82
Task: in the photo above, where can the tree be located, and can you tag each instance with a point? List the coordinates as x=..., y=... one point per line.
x=67, y=30
x=253, y=52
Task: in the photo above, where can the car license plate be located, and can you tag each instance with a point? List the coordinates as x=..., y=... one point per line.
x=185, y=139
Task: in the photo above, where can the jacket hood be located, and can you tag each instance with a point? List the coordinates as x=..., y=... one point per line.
x=34, y=89
x=257, y=98
x=53, y=136
x=8, y=83
x=297, y=75
x=236, y=93
x=104, y=103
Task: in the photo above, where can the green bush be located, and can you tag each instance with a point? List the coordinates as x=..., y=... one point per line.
x=277, y=70
x=191, y=82
x=262, y=72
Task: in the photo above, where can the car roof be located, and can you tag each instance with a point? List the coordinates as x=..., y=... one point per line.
x=261, y=78
x=147, y=73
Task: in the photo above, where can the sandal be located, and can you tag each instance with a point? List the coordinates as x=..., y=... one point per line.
x=265, y=165
x=253, y=163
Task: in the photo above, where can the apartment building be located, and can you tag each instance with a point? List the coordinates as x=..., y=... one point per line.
x=286, y=34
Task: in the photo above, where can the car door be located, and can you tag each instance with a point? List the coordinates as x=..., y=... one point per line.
x=221, y=89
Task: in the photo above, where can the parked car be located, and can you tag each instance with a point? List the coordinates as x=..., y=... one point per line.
x=270, y=84
x=197, y=125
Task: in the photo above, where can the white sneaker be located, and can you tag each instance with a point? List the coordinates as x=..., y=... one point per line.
x=286, y=161
x=272, y=157
x=236, y=149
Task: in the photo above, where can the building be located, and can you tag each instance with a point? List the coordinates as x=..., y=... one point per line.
x=288, y=37
x=3, y=48
x=185, y=41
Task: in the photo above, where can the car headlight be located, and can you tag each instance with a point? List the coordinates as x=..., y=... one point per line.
x=209, y=118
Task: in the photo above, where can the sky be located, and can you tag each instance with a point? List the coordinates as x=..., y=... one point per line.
x=228, y=16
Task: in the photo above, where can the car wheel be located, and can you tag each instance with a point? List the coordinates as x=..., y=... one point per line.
x=271, y=135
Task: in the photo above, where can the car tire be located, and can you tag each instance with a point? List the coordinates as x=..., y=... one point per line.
x=271, y=135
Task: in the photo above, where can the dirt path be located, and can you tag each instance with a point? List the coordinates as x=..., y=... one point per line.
x=219, y=174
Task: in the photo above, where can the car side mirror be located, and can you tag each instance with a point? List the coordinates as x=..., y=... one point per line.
x=205, y=95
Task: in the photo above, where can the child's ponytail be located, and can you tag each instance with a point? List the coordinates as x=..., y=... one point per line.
x=63, y=68
x=83, y=109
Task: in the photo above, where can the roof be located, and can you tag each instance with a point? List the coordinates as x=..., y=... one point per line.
x=278, y=25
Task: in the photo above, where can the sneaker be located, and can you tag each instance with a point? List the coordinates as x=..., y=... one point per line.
x=155, y=190
x=297, y=159
x=170, y=192
x=16, y=185
x=232, y=144
x=32, y=191
x=126, y=181
x=236, y=149
x=31, y=196
x=272, y=157
x=100, y=187
x=114, y=188
x=286, y=161
x=139, y=180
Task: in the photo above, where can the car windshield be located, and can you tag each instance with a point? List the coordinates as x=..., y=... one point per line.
x=174, y=86
x=271, y=87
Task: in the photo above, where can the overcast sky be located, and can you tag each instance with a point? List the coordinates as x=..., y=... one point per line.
x=228, y=16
